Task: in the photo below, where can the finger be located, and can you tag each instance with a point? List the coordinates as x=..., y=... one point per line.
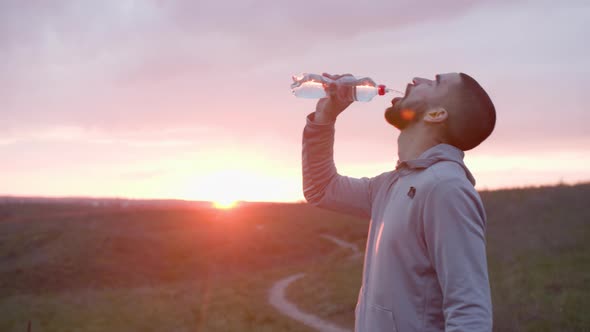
x=330, y=76
x=335, y=76
x=366, y=80
x=344, y=75
x=332, y=90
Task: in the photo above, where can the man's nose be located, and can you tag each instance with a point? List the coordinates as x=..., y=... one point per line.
x=420, y=80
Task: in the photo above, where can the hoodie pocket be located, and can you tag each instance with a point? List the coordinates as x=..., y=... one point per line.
x=380, y=319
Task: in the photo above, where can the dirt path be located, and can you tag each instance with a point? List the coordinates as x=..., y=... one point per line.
x=278, y=299
x=341, y=243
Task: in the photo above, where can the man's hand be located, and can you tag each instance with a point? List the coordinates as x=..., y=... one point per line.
x=327, y=109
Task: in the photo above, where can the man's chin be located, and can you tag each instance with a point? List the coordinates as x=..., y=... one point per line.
x=398, y=117
x=392, y=118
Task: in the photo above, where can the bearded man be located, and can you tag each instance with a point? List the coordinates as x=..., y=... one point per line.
x=425, y=263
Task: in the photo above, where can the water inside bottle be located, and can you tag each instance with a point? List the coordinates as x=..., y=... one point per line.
x=365, y=92
x=309, y=89
x=312, y=86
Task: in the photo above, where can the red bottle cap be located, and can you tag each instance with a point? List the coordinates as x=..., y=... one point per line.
x=381, y=90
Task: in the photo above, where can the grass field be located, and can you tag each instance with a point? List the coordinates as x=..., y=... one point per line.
x=84, y=268
x=74, y=267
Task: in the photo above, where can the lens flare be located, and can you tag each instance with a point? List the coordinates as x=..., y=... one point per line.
x=407, y=114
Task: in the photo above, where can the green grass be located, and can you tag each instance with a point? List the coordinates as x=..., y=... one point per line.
x=80, y=268
x=228, y=305
x=330, y=290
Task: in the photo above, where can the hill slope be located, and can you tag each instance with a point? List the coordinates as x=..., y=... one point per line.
x=151, y=268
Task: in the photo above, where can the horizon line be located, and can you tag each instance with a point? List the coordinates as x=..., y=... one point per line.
x=122, y=198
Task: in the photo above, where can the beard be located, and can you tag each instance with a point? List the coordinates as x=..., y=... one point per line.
x=401, y=116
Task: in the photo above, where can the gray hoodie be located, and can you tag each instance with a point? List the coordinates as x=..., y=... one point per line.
x=425, y=263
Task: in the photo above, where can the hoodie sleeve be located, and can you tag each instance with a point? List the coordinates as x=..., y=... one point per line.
x=322, y=185
x=454, y=230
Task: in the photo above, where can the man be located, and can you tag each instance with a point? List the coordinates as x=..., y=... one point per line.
x=425, y=263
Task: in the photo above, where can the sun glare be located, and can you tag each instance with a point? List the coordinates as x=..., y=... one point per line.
x=225, y=204
x=226, y=188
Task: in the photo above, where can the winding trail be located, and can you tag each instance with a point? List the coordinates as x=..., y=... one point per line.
x=356, y=253
x=278, y=299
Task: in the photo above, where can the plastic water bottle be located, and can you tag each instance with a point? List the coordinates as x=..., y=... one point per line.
x=313, y=86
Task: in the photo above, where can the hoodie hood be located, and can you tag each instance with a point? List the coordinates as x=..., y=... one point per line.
x=440, y=152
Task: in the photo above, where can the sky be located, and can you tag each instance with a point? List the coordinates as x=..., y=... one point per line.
x=191, y=99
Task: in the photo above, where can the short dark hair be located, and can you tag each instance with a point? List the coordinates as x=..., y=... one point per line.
x=473, y=116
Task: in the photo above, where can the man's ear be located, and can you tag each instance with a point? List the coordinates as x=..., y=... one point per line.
x=436, y=115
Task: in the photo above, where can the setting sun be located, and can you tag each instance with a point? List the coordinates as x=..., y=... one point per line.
x=225, y=204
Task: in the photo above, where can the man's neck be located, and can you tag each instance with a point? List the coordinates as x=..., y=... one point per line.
x=412, y=149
